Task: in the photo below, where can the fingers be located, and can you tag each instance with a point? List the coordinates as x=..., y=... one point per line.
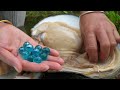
x=91, y=47
x=54, y=52
x=42, y=67
x=53, y=65
x=56, y=59
x=34, y=67
x=103, y=39
x=10, y=59
x=112, y=41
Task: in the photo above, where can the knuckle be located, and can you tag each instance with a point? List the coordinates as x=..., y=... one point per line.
x=56, y=58
x=106, y=45
x=109, y=31
x=113, y=44
x=91, y=49
x=89, y=29
x=99, y=29
x=100, y=26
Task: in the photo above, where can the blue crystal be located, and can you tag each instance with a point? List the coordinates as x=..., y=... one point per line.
x=39, y=48
x=30, y=58
x=25, y=44
x=46, y=50
x=37, y=60
x=21, y=49
x=43, y=56
x=35, y=52
x=25, y=55
x=29, y=48
x=31, y=54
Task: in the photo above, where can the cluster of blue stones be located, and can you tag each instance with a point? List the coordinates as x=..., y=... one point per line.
x=35, y=54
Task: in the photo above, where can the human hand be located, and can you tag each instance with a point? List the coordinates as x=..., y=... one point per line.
x=100, y=36
x=11, y=39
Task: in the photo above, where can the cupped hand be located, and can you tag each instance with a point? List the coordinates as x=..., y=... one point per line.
x=100, y=36
x=11, y=39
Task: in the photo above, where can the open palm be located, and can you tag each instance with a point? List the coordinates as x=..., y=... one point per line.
x=11, y=38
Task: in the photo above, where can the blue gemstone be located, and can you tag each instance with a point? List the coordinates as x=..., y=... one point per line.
x=31, y=54
x=39, y=48
x=25, y=44
x=25, y=55
x=46, y=50
x=21, y=49
x=35, y=52
x=29, y=48
x=37, y=60
x=30, y=58
x=44, y=56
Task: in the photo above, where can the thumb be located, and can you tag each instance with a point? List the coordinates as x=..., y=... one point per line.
x=10, y=59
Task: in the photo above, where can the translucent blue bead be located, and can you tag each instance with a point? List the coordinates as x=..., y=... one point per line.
x=25, y=55
x=31, y=54
x=35, y=52
x=30, y=58
x=21, y=49
x=25, y=44
x=29, y=48
x=46, y=50
x=37, y=60
x=39, y=48
x=44, y=56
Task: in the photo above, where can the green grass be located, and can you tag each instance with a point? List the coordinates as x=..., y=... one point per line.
x=115, y=18
x=33, y=17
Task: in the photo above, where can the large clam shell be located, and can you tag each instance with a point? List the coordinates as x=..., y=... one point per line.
x=62, y=32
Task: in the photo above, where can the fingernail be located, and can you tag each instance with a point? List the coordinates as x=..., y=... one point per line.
x=17, y=69
x=61, y=61
x=56, y=52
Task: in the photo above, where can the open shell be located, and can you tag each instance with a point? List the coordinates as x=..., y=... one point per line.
x=62, y=33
